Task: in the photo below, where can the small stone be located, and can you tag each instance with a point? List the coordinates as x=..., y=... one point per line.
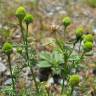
x=2, y=68
x=7, y=73
x=8, y=82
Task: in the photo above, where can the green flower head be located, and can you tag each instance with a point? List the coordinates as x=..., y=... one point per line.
x=67, y=21
x=74, y=80
x=88, y=37
x=20, y=13
x=88, y=46
x=79, y=32
x=7, y=48
x=28, y=18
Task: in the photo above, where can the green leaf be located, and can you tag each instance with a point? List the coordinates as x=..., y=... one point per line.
x=44, y=55
x=74, y=58
x=43, y=64
x=56, y=58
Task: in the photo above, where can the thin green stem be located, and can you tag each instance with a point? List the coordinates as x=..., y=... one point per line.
x=28, y=60
x=82, y=55
x=10, y=68
x=21, y=28
x=64, y=76
x=79, y=47
x=72, y=89
x=65, y=34
x=72, y=49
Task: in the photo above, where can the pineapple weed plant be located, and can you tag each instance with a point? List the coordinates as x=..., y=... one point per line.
x=61, y=61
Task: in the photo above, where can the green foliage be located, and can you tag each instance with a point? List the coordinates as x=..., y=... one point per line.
x=8, y=91
x=62, y=59
x=21, y=15
x=52, y=60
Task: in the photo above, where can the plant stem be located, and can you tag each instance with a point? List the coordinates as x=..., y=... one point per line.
x=79, y=46
x=65, y=62
x=64, y=75
x=65, y=34
x=65, y=65
x=72, y=49
x=21, y=28
x=10, y=68
x=71, y=91
x=82, y=55
x=28, y=60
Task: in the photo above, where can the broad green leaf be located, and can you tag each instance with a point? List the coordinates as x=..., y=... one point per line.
x=43, y=64
x=44, y=55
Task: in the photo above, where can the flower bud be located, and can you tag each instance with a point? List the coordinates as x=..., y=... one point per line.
x=79, y=32
x=7, y=48
x=67, y=21
x=19, y=50
x=20, y=13
x=28, y=18
x=88, y=46
x=74, y=80
x=88, y=37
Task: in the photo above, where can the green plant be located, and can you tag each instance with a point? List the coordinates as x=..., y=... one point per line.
x=28, y=18
x=8, y=90
x=62, y=60
x=50, y=60
x=7, y=49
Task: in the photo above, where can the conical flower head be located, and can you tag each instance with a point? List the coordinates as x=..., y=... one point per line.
x=79, y=32
x=67, y=21
x=88, y=37
x=7, y=48
x=28, y=18
x=88, y=46
x=74, y=80
x=20, y=13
